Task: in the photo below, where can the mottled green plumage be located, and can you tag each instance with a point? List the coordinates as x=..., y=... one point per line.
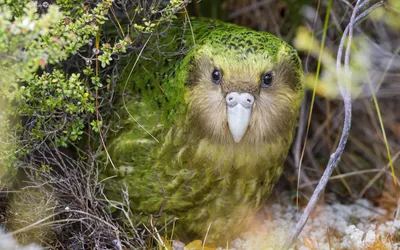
x=194, y=170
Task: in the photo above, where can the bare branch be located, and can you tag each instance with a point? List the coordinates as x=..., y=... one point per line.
x=335, y=157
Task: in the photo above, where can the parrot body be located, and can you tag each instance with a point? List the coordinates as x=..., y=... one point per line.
x=205, y=131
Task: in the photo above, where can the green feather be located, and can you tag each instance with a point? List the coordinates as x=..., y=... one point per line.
x=187, y=172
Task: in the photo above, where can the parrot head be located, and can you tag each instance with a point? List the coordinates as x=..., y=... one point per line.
x=245, y=87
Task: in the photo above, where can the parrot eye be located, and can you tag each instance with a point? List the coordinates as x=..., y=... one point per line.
x=216, y=76
x=267, y=80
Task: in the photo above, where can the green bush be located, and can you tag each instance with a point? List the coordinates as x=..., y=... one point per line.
x=58, y=75
x=56, y=101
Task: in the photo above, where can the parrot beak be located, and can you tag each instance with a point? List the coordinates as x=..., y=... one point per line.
x=239, y=113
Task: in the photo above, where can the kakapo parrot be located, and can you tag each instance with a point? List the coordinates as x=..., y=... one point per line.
x=206, y=116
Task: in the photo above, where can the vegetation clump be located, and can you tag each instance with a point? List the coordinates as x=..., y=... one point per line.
x=59, y=73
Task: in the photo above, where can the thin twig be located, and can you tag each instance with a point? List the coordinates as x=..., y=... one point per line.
x=335, y=157
x=379, y=172
x=125, y=87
